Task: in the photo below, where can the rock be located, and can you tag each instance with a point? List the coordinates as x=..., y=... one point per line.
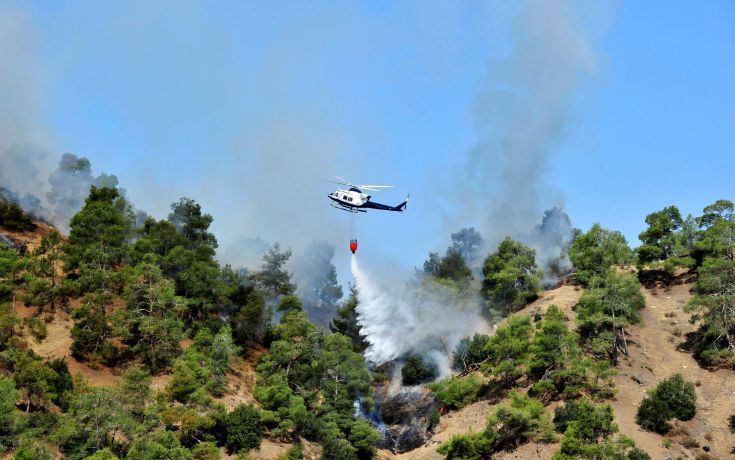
x=406, y=416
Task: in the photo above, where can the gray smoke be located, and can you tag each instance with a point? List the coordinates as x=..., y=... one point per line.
x=552, y=239
x=70, y=184
x=24, y=164
x=523, y=114
x=316, y=281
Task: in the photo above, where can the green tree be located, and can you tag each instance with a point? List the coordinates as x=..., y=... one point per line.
x=604, y=312
x=457, y=392
x=10, y=420
x=251, y=318
x=659, y=238
x=99, y=231
x=343, y=374
x=508, y=350
x=595, y=252
x=193, y=224
x=12, y=216
x=556, y=360
x=135, y=391
x=470, y=352
x=34, y=378
x=151, y=322
x=717, y=232
x=417, y=370
x=104, y=454
x=95, y=415
x=272, y=277
x=44, y=285
x=671, y=398
x=512, y=278
x=307, y=384
x=345, y=322
x=91, y=333
x=714, y=304
x=244, y=428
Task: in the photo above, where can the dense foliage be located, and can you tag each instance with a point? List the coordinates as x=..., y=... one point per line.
x=512, y=278
x=713, y=343
x=417, y=370
x=12, y=216
x=307, y=384
x=136, y=290
x=595, y=252
x=671, y=398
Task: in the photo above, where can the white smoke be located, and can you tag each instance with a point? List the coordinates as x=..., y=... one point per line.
x=413, y=318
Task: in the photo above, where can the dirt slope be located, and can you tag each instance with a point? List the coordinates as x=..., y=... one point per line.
x=653, y=356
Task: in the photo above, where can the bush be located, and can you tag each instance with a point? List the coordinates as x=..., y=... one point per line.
x=418, y=370
x=521, y=420
x=206, y=451
x=457, y=392
x=244, y=428
x=672, y=398
x=466, y=447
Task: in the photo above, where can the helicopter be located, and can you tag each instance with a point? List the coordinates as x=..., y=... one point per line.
x=354, y=200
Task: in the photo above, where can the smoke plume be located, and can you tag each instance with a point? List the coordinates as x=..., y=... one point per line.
x=316, y=281
x=523, y=113
x=552, y=239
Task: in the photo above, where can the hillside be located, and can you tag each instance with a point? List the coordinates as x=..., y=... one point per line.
x=134, y=337
x=654, y=355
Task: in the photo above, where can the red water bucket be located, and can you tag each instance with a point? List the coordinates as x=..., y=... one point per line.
x=353, y=246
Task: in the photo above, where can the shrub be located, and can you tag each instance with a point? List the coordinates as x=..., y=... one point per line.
x=672, y=398
x=466, y=447
x=244, y=428
x=521, y=420
x=206, y=451
x=418, y=370
x=469, y=352
x=457, y=392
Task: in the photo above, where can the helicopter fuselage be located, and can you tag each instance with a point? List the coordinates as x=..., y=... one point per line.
x=353, y=200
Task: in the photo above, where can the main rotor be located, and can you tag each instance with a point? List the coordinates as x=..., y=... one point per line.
x=374, y=188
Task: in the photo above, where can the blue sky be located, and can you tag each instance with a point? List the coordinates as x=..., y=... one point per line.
x=245, y=105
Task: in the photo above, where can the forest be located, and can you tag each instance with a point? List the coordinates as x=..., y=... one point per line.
x=149, y=300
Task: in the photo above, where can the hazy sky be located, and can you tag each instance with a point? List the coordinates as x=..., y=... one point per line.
x=243, y=106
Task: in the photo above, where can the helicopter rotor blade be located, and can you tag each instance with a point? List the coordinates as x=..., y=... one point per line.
x=334, y=182
x=374, y=186
x=345, y=181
